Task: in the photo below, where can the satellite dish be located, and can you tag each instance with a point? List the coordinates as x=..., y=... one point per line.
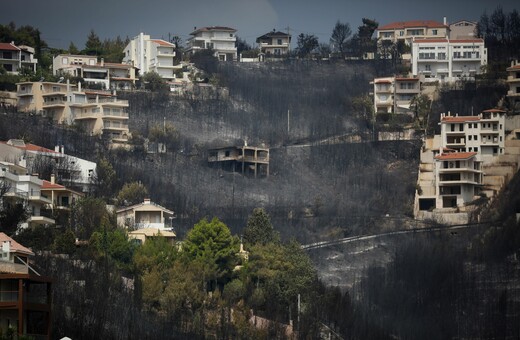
x=61, y=80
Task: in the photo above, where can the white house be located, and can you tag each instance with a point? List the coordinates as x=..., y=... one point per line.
x=13, y=58
x=408, y=30
x=145, y=215
x=109, y=75
x=147, y=55
x=448, y=60
x=394, y=94
x=220, y=39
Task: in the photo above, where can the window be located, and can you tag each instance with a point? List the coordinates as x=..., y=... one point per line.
x=401, y=33
x=65, y=61
x=469, y=137
x=434, y=32
x=427, y=67
x=475, y=137
x=441, y=56
x=279, y=42
x=476, y=149
x=8, y=67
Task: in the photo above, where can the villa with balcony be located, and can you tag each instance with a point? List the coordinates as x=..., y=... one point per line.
x=219, y=39
x=13, y=58
x=408, y=30
x=25, y=295
x=274, y=44
x=97, y=112
x=145, y=215
x=394, y=94
x=467, y=161
x=25, y=190
x=61, y=197
x=108, y=75
x=513, y=80
x=447, y=60
x=157, y=55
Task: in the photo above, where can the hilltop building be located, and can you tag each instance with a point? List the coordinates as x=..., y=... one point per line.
x=448, y=60
x=107, y=75
x=470, y=159
x=26, y=296
x=243, y=159
x=274, y=44
x=220, y=39
x=97, y=112
x=14, y=58
x=513, y=80
x=145, y=215
x=394, y=94
x=152, y=55
x=409, y=30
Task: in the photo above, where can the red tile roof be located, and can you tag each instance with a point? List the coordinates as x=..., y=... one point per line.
x=31, y=147
x=49, y=185
x=163, y=42
x=412, y=24
x=460, y=119
x=455, y=155
x=514, y=67
x=15, y=246
x=467, y=41
x=8, y=47
x=383, y=82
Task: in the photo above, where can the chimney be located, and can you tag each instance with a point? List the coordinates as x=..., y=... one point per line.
x=194, y=28
x=79, y=86
x=146, y=201
x=57, y=148
x=102, y=62
x=53, y=179
x=445, y=21
x=62, y=150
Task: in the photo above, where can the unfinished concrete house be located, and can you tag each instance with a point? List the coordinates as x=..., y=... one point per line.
x=247, y=160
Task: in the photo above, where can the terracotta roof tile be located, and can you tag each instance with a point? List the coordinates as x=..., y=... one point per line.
x=49, y=185
x=8, y=47
x=494, y=111
x=15, y=246
x=163, y=42
x=455, y=155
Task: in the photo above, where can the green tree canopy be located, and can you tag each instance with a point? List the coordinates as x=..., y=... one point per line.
x=306, y=44
x=93, y=46
x=259, y=229
x=211, y=243
x=131, y=193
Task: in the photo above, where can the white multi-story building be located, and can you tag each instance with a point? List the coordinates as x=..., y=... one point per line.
x=98, y=112
x=448, y=60
x=463, y=29
x=145, y=215
x=222, y=40
x=152, y=55
x=13, y=58
x=513, y=80
x=394, y=94
x=109, y=75
x=72, y=171
x=26, y=190
x=454, y=176
x=408, y=30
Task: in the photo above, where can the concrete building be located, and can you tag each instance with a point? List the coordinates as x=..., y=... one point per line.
x=461, y=165
x=26, y=296
x=274, y=44
x=152, y=55
x=97, y=112
x=62, y=199
x=13, y=58
x=108, y=75
x=242, y=159
x=447, y=60
x=145, y=215
x=394, y=94
x=220, y=39
x=22, y=189
x=513, y=80
x=463, y=30
x=73, y=171
x=408, y=30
